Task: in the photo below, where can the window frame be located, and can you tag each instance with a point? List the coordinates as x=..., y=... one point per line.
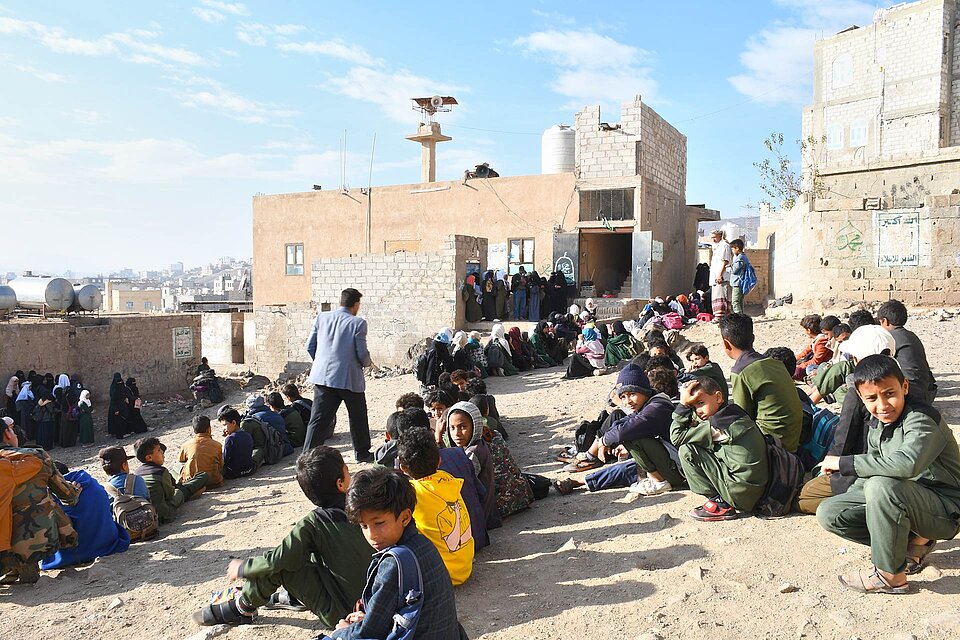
x=513, y=266
x=295, y=264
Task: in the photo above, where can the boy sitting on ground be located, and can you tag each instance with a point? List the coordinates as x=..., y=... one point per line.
x=240, y=458
x=723, y=453
x=115, y=465
x=409, y=400
x=382, y=501
x=465, y=430
x=438, y=402
x=911, y=355
x=907, y=492
x=165, y=495
x=303, y=406
x=761, y=386
x=295, y=426
x=817, y=351
x=441, y=512
x=701, y=367
x=202, y=454
x=386, y=454
x=319, y=566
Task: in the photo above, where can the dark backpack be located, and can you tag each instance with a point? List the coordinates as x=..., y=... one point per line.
x=815, y=448
x=421, y=367
x=495, y=356
x=274, y=444
x=786, y=478
x=539, y=485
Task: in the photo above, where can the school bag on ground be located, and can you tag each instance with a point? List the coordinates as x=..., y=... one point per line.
x=135, y=514
x=274, y=445
x=783, y=487
x=672, y=320
x=539, y=485
x=813, y=451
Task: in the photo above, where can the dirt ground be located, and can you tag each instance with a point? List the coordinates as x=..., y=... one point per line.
x=585, y=565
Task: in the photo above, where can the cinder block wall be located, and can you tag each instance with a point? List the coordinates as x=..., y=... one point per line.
x=95, y=348
x=406, y=297
x=760, y=259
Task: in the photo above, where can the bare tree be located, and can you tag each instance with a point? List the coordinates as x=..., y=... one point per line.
x=779, y=180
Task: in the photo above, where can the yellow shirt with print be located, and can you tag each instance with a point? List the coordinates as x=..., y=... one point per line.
x=441, y=515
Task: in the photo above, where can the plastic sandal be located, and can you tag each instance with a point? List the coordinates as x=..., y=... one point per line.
x=870, y=581
x=919, y=551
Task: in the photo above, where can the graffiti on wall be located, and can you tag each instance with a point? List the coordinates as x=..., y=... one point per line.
x=898, y=239
x=849, y=239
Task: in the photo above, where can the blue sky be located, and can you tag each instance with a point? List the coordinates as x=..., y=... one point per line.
x=135, y=134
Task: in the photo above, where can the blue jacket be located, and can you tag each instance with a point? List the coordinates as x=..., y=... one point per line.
x=338, y=347
x=438, y=618
x=238, y=455
x=652, y=421
x=139, y=485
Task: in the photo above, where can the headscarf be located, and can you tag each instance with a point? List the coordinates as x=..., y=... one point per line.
x=590, y=305
x=85, y=398
x=474, y=336
x=63, y=382
x=25, y=392
x=442, y=338
x=459, y=341
x=477, y=418
x=619, y=329
x=116, y=387
x=132, y=385
x=496, y=333
x=13, y=387
x=589, y=334
x=255, y=403
x=449, y=333
x=574, y=310
x=516, y=340
x=541, y=329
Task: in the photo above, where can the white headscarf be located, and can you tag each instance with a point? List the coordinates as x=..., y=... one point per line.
x=590, y=305
x=459, y=341
x=13, y=387
x=497, y=333
x=449, y=333
x=574, y=310
x=63, y=382
x=85, y=398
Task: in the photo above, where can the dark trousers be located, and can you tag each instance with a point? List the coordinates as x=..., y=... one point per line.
x=326, y=402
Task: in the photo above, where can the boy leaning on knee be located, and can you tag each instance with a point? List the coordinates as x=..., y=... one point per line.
x=907, y=492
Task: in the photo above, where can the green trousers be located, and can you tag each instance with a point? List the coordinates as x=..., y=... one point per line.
x=311, y=584
x=881, y=512
x=736, y=299
x=187, y=488
x=651, y=455
x=709, y=477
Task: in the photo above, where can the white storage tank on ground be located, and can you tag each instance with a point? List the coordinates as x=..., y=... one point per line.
x=88, y=297
x=34, y=293
x=558, y=149
x=8, y=298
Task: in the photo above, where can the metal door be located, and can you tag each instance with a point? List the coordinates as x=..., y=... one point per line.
x=642, y=255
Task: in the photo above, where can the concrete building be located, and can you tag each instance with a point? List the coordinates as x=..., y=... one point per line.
x=619, y=221
x=885, y=122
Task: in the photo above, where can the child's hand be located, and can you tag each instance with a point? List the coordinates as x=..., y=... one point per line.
x=830, y=464
x=602, y=452
x=233, y=570
x=689, y=392
x=351, y=618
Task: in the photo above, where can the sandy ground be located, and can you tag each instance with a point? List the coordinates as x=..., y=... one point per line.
x=638, y=569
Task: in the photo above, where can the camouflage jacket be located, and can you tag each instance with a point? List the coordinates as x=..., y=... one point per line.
x=40, y=527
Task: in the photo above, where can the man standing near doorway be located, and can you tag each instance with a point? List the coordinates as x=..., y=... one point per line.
x=338, y=347
x=719, y=275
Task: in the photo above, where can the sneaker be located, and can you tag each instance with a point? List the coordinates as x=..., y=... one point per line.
x=714, y=511
x=222, y=613
x=650, y=487
x=282, y=599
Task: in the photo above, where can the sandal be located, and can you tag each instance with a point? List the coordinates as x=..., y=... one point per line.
x=920, y=552
x=564, y=487
x=870, y=581
x=221, y=613
x=581, y=465
x=566, y=456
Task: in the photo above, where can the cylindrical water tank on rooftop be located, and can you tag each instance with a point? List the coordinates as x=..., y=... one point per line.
x=8, y=298
x=88, y=297
x=558, y=150
x=34, y=293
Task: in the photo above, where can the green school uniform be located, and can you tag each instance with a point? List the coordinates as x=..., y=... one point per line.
x=766, y=392
x=832, y=379
x=166, y=495
x=908, y=480
x=735, y=467
x=713, y=370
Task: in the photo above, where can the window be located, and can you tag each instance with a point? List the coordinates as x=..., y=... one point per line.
x=521, y=255
x=858, y=133
x=606, y=204
x=294, y=259
x=834, y=137
x=129, y=305
x=842, y=71
x=147, y=305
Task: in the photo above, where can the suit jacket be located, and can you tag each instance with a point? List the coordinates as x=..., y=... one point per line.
x=338, y=346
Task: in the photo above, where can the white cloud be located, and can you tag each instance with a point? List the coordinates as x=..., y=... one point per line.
x=46, y=76
x=9, y=121
x=256, y=34
x=778, y=61
x=332, y=48
x=210, y=95
x=391, y=91
x=554, y=17
x=209, y=15
x=233, y=8
x=132, y=46
x=593, y=67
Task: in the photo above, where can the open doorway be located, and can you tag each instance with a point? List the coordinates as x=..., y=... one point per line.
x=606, y=259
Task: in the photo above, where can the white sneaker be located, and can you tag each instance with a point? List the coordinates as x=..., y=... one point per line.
x=650, y=487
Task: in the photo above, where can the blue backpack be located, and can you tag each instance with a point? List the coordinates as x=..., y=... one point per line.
x=748, y=280
x=411, y=591
x=813, y=450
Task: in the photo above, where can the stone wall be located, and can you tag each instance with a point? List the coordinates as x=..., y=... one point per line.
x=406, y=297
x=94, y=348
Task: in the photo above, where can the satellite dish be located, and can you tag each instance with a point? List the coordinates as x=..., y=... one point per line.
x=436, y=102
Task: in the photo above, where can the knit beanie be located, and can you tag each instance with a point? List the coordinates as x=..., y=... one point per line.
x=633, y=379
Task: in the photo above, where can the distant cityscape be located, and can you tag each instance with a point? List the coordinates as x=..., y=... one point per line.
x=222, y=285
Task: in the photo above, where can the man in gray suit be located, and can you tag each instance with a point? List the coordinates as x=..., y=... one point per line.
x=338, y=347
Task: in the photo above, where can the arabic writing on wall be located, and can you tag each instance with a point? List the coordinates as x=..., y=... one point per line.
x=898, y=239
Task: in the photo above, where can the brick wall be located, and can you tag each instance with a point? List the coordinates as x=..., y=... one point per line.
x=760, y=259
x=406, y=296
x=94, y=348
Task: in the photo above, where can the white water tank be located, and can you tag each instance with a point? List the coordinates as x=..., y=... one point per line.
x=36, y=293
x=87, y=297
x=558, y=149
